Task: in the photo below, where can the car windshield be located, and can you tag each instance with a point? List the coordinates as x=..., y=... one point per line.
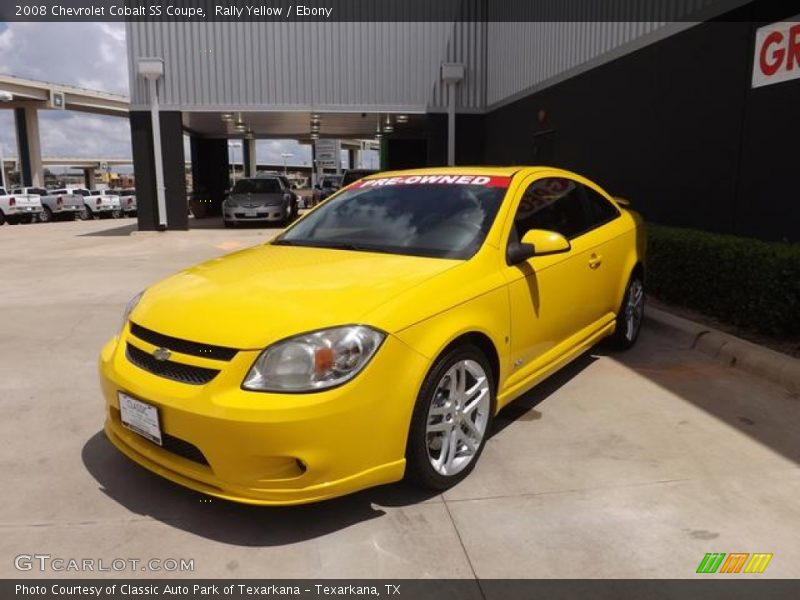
x=416, y=215
x=257, y=186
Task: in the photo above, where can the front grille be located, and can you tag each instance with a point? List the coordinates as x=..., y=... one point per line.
x=182, y=448
x=182, y=346
x=169, y=369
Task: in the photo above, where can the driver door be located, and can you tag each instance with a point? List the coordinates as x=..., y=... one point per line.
x=548, y=295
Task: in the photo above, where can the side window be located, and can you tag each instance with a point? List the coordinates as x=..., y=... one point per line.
x=599, y=211
x=552, y=203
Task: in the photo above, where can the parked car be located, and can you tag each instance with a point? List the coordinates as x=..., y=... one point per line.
x=56, y=204
x=127, y=200
x=327, y=186
x=19, y=208
x=353, y=175
x=376, y=338
x=264, y=198
x=97, y=204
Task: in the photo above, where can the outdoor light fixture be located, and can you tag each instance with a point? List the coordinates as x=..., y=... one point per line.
x=314, y=126
x=315, y=117
x=227, y=117
x=314, y=136
x=388, y=128
x=401, y=118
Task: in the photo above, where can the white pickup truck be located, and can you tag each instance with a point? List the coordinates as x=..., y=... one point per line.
x=97, y=203
x=56, y=204
x=18, y=208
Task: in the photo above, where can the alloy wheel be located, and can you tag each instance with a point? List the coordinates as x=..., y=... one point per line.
x=634, y=309
x=458, y=417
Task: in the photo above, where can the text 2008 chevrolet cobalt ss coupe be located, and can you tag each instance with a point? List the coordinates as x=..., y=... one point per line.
x=376, y=337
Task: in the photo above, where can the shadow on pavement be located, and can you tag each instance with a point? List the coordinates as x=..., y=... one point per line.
x=524, y=407
x=761, y=410
x=122, y=230
x=147, y=494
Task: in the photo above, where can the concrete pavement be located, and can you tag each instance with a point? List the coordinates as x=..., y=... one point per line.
x=622, y=465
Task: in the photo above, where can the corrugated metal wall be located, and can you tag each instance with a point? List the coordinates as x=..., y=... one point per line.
x=262, y=66
x=378, y=65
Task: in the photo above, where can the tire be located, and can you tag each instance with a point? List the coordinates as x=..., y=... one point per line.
x=86, y=214
x=12, y=220
x=116, y=214
x=630, y=314
x=2, y=217
x=46, y=216
x=436, y=419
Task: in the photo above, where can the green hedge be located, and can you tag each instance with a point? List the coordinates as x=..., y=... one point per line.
x=740, y=281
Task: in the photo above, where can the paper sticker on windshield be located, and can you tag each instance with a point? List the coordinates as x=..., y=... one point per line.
x=482, y=180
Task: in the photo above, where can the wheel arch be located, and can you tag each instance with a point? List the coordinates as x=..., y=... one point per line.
x=484, y=343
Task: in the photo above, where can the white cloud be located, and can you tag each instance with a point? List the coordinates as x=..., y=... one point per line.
x=90, y=55
x=93, y=56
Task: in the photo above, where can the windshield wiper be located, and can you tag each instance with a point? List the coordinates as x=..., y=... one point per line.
x=332, y=244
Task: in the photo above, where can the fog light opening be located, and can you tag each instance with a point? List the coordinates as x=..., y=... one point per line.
x=300, y=465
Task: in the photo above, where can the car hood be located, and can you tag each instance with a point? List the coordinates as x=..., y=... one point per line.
x=254, y=297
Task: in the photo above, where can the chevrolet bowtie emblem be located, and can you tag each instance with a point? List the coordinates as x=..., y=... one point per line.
x=161, y=354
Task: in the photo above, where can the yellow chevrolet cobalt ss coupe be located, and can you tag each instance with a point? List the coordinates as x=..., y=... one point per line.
x=376, y=338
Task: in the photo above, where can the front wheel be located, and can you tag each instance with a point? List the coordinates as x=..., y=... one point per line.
x=630, y=314
x=451, y=420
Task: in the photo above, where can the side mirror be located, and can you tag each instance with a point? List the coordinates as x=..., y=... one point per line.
x=546, y=242
x=536, y=242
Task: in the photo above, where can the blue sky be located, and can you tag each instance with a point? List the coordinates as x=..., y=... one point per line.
x=93, y=56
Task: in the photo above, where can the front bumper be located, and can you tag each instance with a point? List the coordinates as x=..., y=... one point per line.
x=267, y=448
x=237, y=214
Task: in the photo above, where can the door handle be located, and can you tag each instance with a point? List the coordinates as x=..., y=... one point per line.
x=595, y=261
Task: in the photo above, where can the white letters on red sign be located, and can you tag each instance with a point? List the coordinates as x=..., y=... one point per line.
x=483, y=180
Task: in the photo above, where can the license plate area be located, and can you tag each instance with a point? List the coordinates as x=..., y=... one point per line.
x=140, y=417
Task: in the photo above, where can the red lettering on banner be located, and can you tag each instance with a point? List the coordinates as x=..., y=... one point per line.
x=793, y=47
x=770, y=68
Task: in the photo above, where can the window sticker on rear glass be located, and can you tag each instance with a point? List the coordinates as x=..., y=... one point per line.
x=482, y=180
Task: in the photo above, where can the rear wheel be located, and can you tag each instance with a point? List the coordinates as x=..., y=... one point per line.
x=86, y=213
x=630, y=314
x=451, y=420
x=46, y=216
x=2, y=217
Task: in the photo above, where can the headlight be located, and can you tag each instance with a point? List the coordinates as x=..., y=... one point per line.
x=129, y=308
x=314, y=361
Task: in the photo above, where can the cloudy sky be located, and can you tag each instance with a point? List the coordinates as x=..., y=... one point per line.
x=56, y=52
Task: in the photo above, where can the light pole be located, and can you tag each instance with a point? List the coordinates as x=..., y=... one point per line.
x=2, y=169
x=4, y=97
x=152, y=70
x=285, y=155
x=234, y=145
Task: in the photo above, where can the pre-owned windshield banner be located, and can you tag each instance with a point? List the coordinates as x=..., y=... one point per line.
x=443, y=179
